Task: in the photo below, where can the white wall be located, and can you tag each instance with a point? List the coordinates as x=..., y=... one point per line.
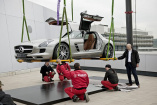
x=11, y=27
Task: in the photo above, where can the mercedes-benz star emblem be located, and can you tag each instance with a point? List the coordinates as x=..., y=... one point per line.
x=21, y=49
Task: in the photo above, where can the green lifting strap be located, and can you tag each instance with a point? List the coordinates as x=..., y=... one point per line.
x=24, y=22
x=111, y=32
x=64, y=14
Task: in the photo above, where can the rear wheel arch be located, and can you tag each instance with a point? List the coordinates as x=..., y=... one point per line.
x=103, y=53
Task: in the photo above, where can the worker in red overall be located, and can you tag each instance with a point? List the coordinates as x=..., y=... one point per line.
x=111, y=79
x=61, y=76
x=79, y=80
x=47, y=72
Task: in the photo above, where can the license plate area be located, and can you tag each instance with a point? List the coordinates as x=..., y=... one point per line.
x=21, y=55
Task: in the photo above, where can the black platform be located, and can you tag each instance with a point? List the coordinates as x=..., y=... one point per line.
x=46, y=94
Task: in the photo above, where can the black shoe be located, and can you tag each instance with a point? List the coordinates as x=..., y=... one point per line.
x=116, y=88
x=128, y=84
x=86, y=97
x=138, y=86
x=65, y=78
x=103, y=87
x=75, y=98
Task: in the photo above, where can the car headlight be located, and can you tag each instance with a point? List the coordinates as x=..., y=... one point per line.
x=44, y=44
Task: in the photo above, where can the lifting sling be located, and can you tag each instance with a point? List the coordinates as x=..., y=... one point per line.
x=64, y=15
x=24, y=22
x=111, y=32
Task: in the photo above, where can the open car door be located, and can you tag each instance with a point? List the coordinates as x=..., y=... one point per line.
x=91, y=45
x=91, y=39
x=86, y=20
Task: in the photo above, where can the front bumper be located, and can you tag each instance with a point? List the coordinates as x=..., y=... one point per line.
x=34, y=53
x=35, y=56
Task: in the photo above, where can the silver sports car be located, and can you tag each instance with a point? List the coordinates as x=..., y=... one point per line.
x=84, y=44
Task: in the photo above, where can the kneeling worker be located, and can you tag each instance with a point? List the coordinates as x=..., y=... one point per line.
x=58, y=69
x=79, y=80
x=47, y=72
x=112, y=77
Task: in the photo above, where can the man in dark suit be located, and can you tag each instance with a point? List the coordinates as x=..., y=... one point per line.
x=131, y=62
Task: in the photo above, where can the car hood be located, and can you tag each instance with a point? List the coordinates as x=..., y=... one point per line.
x=39, y=41
x=34, y=42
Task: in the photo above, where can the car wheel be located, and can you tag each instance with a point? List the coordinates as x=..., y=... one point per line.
x=64, y=51
x=110, y=52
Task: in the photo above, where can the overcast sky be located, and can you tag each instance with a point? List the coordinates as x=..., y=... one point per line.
x=146, y=11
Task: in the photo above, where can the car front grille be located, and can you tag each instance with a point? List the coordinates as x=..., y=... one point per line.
x=23, y=49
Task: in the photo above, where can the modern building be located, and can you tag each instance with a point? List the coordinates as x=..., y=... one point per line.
x=142, y=41
x=154, y=42
x=139, y=40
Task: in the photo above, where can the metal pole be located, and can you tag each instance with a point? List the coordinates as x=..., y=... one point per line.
x=136, y=27
x=72, y=12
x=129, y=22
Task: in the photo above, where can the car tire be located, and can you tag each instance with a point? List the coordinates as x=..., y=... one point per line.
x=64, y=51
x=110, y=53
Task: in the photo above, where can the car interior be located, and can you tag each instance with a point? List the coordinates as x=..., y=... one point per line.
x=90, y=41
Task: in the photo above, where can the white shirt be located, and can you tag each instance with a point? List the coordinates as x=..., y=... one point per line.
x=129, y=55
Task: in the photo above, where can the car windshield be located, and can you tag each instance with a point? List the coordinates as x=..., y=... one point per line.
x=73, y=34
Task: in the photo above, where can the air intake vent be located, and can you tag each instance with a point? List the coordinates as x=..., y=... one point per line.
x=42, y=50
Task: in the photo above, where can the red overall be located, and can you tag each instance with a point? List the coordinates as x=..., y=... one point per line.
x=108, y=84
x=79, y=80
x=61, y=76
x=48, y=78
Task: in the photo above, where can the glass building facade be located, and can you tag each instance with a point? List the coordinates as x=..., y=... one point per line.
x=141, y=39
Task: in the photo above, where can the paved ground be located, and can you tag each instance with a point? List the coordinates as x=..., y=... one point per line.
x=146, y=95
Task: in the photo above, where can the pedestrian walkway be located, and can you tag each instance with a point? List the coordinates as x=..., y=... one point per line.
x=146, y=95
